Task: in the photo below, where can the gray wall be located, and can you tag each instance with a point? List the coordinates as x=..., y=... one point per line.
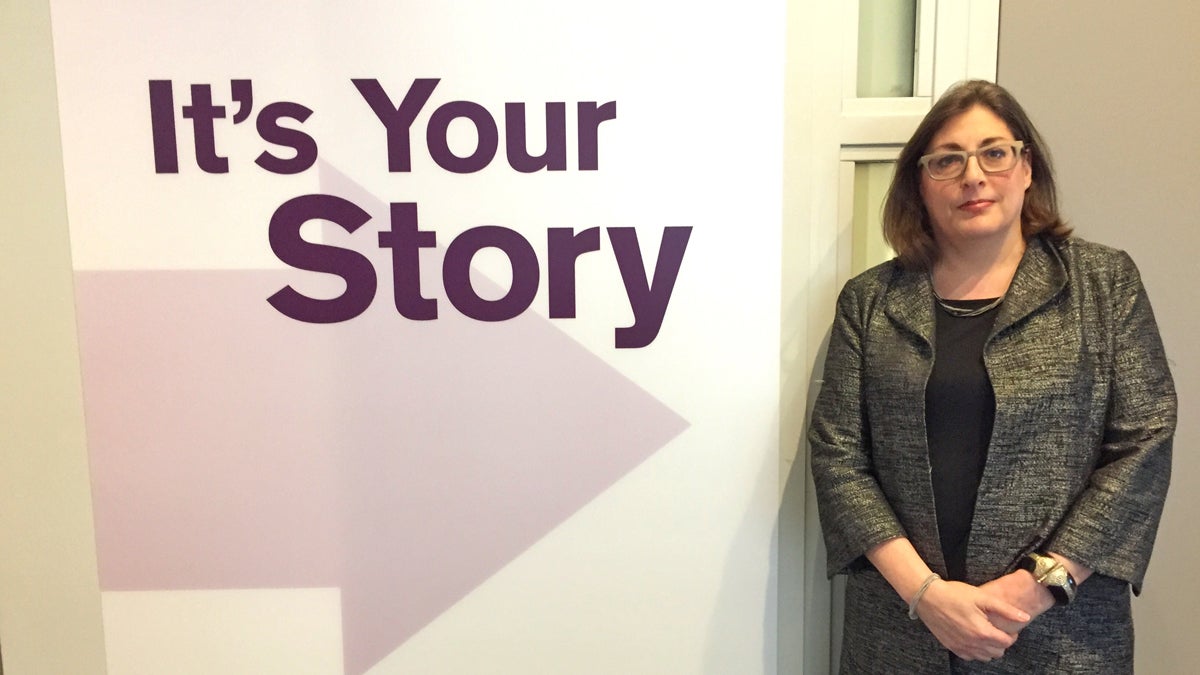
x=1115, y=90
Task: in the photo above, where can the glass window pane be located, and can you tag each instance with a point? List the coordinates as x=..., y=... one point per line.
x=871, y=181
x=887, y=31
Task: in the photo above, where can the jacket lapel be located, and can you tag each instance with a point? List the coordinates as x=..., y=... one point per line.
x=1040, y=276
x=909, y=303
x=906, y=345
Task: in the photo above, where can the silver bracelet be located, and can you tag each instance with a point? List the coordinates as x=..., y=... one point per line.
x=912, y=606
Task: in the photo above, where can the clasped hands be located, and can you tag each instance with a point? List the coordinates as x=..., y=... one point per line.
x=978, y=623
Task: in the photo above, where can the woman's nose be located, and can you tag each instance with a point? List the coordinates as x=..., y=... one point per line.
x=972, y=172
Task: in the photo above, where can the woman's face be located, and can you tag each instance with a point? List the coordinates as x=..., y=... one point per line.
x=976, y=205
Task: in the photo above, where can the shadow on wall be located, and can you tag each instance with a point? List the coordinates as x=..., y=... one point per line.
x=730, y=642
x=725, y=627
x=809, y=606
x=799, y=603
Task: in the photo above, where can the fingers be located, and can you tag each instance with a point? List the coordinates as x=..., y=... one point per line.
x=984, y=656
x=983, y=650
x=1021, y=591
x=995, y=606
x=996, y=640
x=988, y=645
x=1012, y=628
x=960, y=617
x=992, y=641
x=988, y=656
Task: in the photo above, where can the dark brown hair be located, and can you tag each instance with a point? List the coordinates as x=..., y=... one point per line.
x=906, y=225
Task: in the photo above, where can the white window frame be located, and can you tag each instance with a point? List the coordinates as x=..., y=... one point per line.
x=955, y=40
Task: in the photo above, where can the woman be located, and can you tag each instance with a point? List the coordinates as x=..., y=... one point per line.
x=991, y=445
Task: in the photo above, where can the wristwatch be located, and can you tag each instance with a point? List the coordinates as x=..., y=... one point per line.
x=1050, y=573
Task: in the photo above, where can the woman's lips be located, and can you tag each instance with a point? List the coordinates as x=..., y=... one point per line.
x=975, y=205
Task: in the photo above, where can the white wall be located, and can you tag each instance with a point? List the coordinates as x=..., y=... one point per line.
x=1115, y=89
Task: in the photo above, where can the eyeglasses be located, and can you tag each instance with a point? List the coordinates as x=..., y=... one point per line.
x=994, y=158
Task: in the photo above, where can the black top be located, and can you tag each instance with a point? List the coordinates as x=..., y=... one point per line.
x=959, y=411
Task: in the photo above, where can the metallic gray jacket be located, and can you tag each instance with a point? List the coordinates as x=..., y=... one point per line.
x=1078, y=464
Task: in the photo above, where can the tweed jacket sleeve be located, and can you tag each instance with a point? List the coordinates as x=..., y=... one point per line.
x=855, y=514
x=1111, y=525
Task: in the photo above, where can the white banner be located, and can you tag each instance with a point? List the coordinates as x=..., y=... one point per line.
x=434, y=338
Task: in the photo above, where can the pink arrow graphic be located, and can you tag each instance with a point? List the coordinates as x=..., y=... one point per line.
x=404, y=462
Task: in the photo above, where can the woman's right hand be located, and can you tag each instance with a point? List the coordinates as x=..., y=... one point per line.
x=957, y=615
